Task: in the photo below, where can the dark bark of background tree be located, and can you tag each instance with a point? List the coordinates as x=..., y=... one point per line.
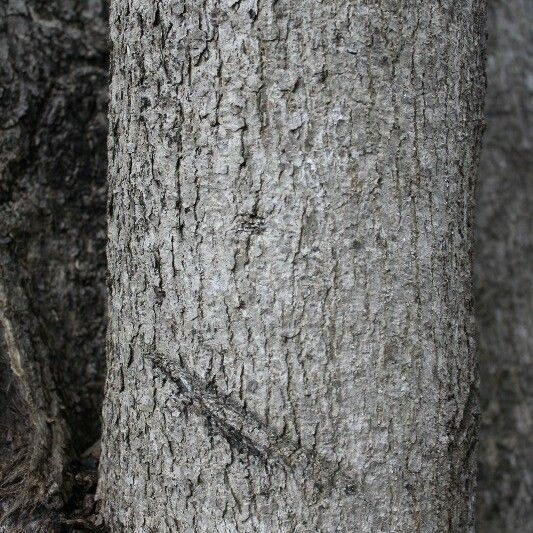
x=504, y=274
x=53, y=100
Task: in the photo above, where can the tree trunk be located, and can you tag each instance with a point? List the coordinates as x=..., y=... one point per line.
x=504, y=278
x=290, y=339
x=53, y=101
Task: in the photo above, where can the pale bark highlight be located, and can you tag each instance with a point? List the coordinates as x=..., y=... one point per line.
x=290, y=341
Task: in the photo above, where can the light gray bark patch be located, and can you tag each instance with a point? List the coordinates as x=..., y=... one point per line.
x=291, y=189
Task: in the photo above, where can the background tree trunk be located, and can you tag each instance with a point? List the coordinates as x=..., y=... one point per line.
x=504, y=277
x=53, y=99
x=290, y=316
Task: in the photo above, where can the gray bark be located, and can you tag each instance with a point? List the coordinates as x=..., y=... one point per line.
x=504, y=277
x=290, y=340
x=53, y=101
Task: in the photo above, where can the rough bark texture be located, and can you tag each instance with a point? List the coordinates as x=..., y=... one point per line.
x=504, y=275
x=290, y=343
x=53, y=99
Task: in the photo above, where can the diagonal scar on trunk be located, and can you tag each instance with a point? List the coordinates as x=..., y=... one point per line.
x=245, y=432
